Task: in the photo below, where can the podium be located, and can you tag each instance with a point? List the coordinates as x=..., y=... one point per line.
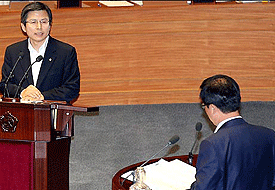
x=35, y=145
x=120, y=183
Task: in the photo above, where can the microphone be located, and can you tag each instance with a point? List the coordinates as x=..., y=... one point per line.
x=172, y=141
x=6, y=91
x=38, y=59
x=190, y=156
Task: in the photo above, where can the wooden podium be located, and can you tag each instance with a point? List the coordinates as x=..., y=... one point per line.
x=120, y=183
x=35, y=145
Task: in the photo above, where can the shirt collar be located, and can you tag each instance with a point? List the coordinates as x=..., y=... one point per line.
x=42, y=49
x=224, y=121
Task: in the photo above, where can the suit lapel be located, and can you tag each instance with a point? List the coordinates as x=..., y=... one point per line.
x=48, y=61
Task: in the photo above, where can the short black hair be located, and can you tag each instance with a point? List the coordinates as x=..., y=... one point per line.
x=221, y=91
x=35, y=6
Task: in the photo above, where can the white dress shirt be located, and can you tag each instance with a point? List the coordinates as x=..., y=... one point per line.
x=33, y=55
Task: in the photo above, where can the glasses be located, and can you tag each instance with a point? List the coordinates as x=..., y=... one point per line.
x=35, y=22
x=203, y=106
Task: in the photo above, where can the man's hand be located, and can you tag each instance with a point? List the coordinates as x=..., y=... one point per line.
x=31, y=93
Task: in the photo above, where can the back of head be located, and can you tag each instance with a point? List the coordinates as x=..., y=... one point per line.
x=221, y=91
x=35, y=6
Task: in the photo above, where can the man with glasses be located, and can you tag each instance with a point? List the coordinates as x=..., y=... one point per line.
x=238, y=155
x=55, y=76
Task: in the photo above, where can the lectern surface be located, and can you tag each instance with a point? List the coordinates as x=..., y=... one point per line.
x=120, y=183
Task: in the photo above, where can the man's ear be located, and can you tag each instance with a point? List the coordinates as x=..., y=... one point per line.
x=213, y=109
x=23, y=27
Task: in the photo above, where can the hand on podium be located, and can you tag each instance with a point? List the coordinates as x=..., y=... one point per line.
x=31, y=93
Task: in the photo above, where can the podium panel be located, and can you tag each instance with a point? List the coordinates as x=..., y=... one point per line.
x=35, y=145
x=16, y=162
x=33, y=121
x=35, y=165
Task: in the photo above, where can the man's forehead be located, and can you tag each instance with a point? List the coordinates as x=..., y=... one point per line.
x=42, y=13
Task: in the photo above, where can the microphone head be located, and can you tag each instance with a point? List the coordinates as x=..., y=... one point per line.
x=198, y=126
x=21, y=55
x=174, y=139
x=39, y=58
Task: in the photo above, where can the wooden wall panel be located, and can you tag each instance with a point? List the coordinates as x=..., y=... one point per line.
x=161, y=52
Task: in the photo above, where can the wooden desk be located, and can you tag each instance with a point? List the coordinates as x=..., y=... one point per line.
x=117, y=179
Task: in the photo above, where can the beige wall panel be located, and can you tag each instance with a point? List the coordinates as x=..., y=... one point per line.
x=161, y=52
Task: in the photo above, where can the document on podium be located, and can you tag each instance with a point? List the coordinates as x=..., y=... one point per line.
x=163, y=175
x=116, y=3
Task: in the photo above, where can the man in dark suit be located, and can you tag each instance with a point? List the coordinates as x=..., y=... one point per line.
x=56, y=76
x=238, y=155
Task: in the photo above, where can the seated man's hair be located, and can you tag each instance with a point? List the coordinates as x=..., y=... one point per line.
x=221, y=91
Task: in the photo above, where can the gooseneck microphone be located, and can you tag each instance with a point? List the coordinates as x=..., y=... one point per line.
x=38, y=59
x=190, y=156
x=6, y=91
x=172, y=141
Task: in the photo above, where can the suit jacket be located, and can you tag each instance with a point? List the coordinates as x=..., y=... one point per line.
x=239, y=156
x=59, y=77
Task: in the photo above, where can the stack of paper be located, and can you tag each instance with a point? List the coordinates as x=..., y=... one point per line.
x=140, y=3
x=164, y=175
x=116, y=3
x=120, y=3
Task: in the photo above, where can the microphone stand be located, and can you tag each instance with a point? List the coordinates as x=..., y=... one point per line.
x=38, y=59
x=173, y=140
x=6, y=92
x=190, y=155
x=133, y=172
x=168, y=144
x=190, y=158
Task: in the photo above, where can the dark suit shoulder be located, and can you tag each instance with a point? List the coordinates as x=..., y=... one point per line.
x=13, y=50
x=59, y=44
x=18, y=45
x=238, y=128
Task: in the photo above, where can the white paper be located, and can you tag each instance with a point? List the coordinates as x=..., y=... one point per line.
x=164, y=175
x=140, y=3
x=116, y=3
